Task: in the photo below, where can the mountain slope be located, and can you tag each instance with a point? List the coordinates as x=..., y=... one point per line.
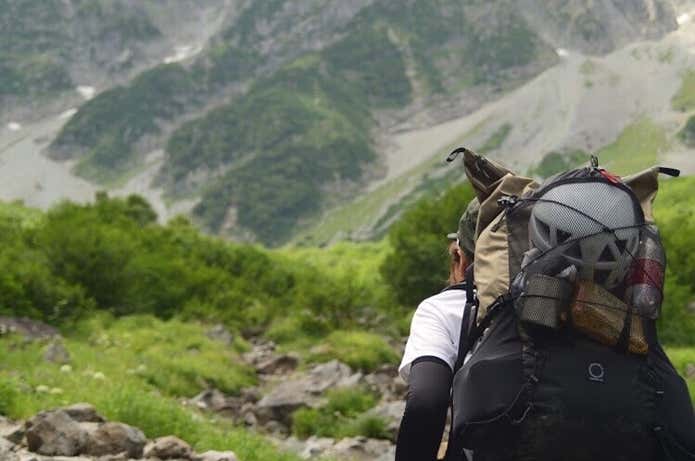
x=286, y=112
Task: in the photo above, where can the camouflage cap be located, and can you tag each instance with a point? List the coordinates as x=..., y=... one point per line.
x=466, y=230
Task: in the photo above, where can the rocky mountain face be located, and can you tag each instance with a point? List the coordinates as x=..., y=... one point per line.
x=278, y=115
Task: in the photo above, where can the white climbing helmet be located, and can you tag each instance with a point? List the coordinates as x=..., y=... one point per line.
x=593, y=225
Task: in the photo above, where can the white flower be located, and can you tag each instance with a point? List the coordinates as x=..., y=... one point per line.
x=55, y=391
x=66, y=369
x=99, y=375
x=42, y=388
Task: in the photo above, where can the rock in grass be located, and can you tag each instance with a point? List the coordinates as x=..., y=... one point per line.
x=56, y=352
x=54, y=433
x=690, y=371
x=216, y=456
x=219, y=333
x=281, y=364
x=83, y=413
x=168, y=447
x=114, y=438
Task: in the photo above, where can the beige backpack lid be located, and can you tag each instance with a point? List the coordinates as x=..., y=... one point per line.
x=501, y=240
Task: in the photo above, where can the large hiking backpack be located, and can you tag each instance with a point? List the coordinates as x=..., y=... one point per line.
x=564, y=361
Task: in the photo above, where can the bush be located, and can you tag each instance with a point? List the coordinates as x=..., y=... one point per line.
x=417, y=266
x=359, y=349
x=343, y=415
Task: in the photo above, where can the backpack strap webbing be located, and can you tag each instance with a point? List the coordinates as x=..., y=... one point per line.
x=470, y=312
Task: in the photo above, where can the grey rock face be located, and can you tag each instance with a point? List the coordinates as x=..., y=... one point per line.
x=54, y=433
x=114, y=438
x=168, y=447
x=600, y=26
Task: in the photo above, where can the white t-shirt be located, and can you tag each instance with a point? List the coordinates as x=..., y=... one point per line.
x=435, y=330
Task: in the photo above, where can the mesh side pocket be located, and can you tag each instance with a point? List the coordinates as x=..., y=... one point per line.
x=544, y=301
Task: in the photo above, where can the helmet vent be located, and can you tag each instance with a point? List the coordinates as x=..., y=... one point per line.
x=562, y=236
x=606, y=254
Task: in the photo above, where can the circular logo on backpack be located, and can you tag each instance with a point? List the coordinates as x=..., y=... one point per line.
x=596, y=372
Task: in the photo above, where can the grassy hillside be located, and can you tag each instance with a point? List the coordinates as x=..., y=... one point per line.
x=134, y=300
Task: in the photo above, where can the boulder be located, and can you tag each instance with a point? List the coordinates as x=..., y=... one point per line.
x=362, y=449
x=259, y=352
x=315, y=447
x=280, y=364
x=386, y=382
x=56, y=352
x=303, y=391
x=83, y=413
x=54, y=433
x=326, y=375
x=282, y=401
x=112, y=439
x=391, y=412
x=209, y=399
x=12, y=431
x=219, y=333
x=216, y=456
x=30, y=329
x=168, y=447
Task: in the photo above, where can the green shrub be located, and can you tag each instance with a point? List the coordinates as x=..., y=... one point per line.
x=343, y=415
x=8, y=395
x=417, y=266
x=359, y=349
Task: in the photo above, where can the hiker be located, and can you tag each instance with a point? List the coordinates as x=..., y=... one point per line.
x=432, y=351
x=564, y=361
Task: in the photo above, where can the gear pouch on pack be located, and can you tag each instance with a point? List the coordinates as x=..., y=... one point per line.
x=601, y=316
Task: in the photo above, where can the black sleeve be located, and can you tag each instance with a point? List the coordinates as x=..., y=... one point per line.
x=425, y=410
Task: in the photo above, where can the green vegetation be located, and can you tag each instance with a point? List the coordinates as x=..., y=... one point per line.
x=687, y=133
x=107, y=128
x=343, y=415
x=134, y=300
x=359, y=349
x=676, y=219
x=417, y=266
x=133, y=370
x=557, y=161
x=684, y=99
x=112, y=256
x=266, y=160
x=496, y=139
x=637, y=147
x=681, y=358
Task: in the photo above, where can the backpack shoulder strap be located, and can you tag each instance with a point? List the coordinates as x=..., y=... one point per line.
x=470, y=312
